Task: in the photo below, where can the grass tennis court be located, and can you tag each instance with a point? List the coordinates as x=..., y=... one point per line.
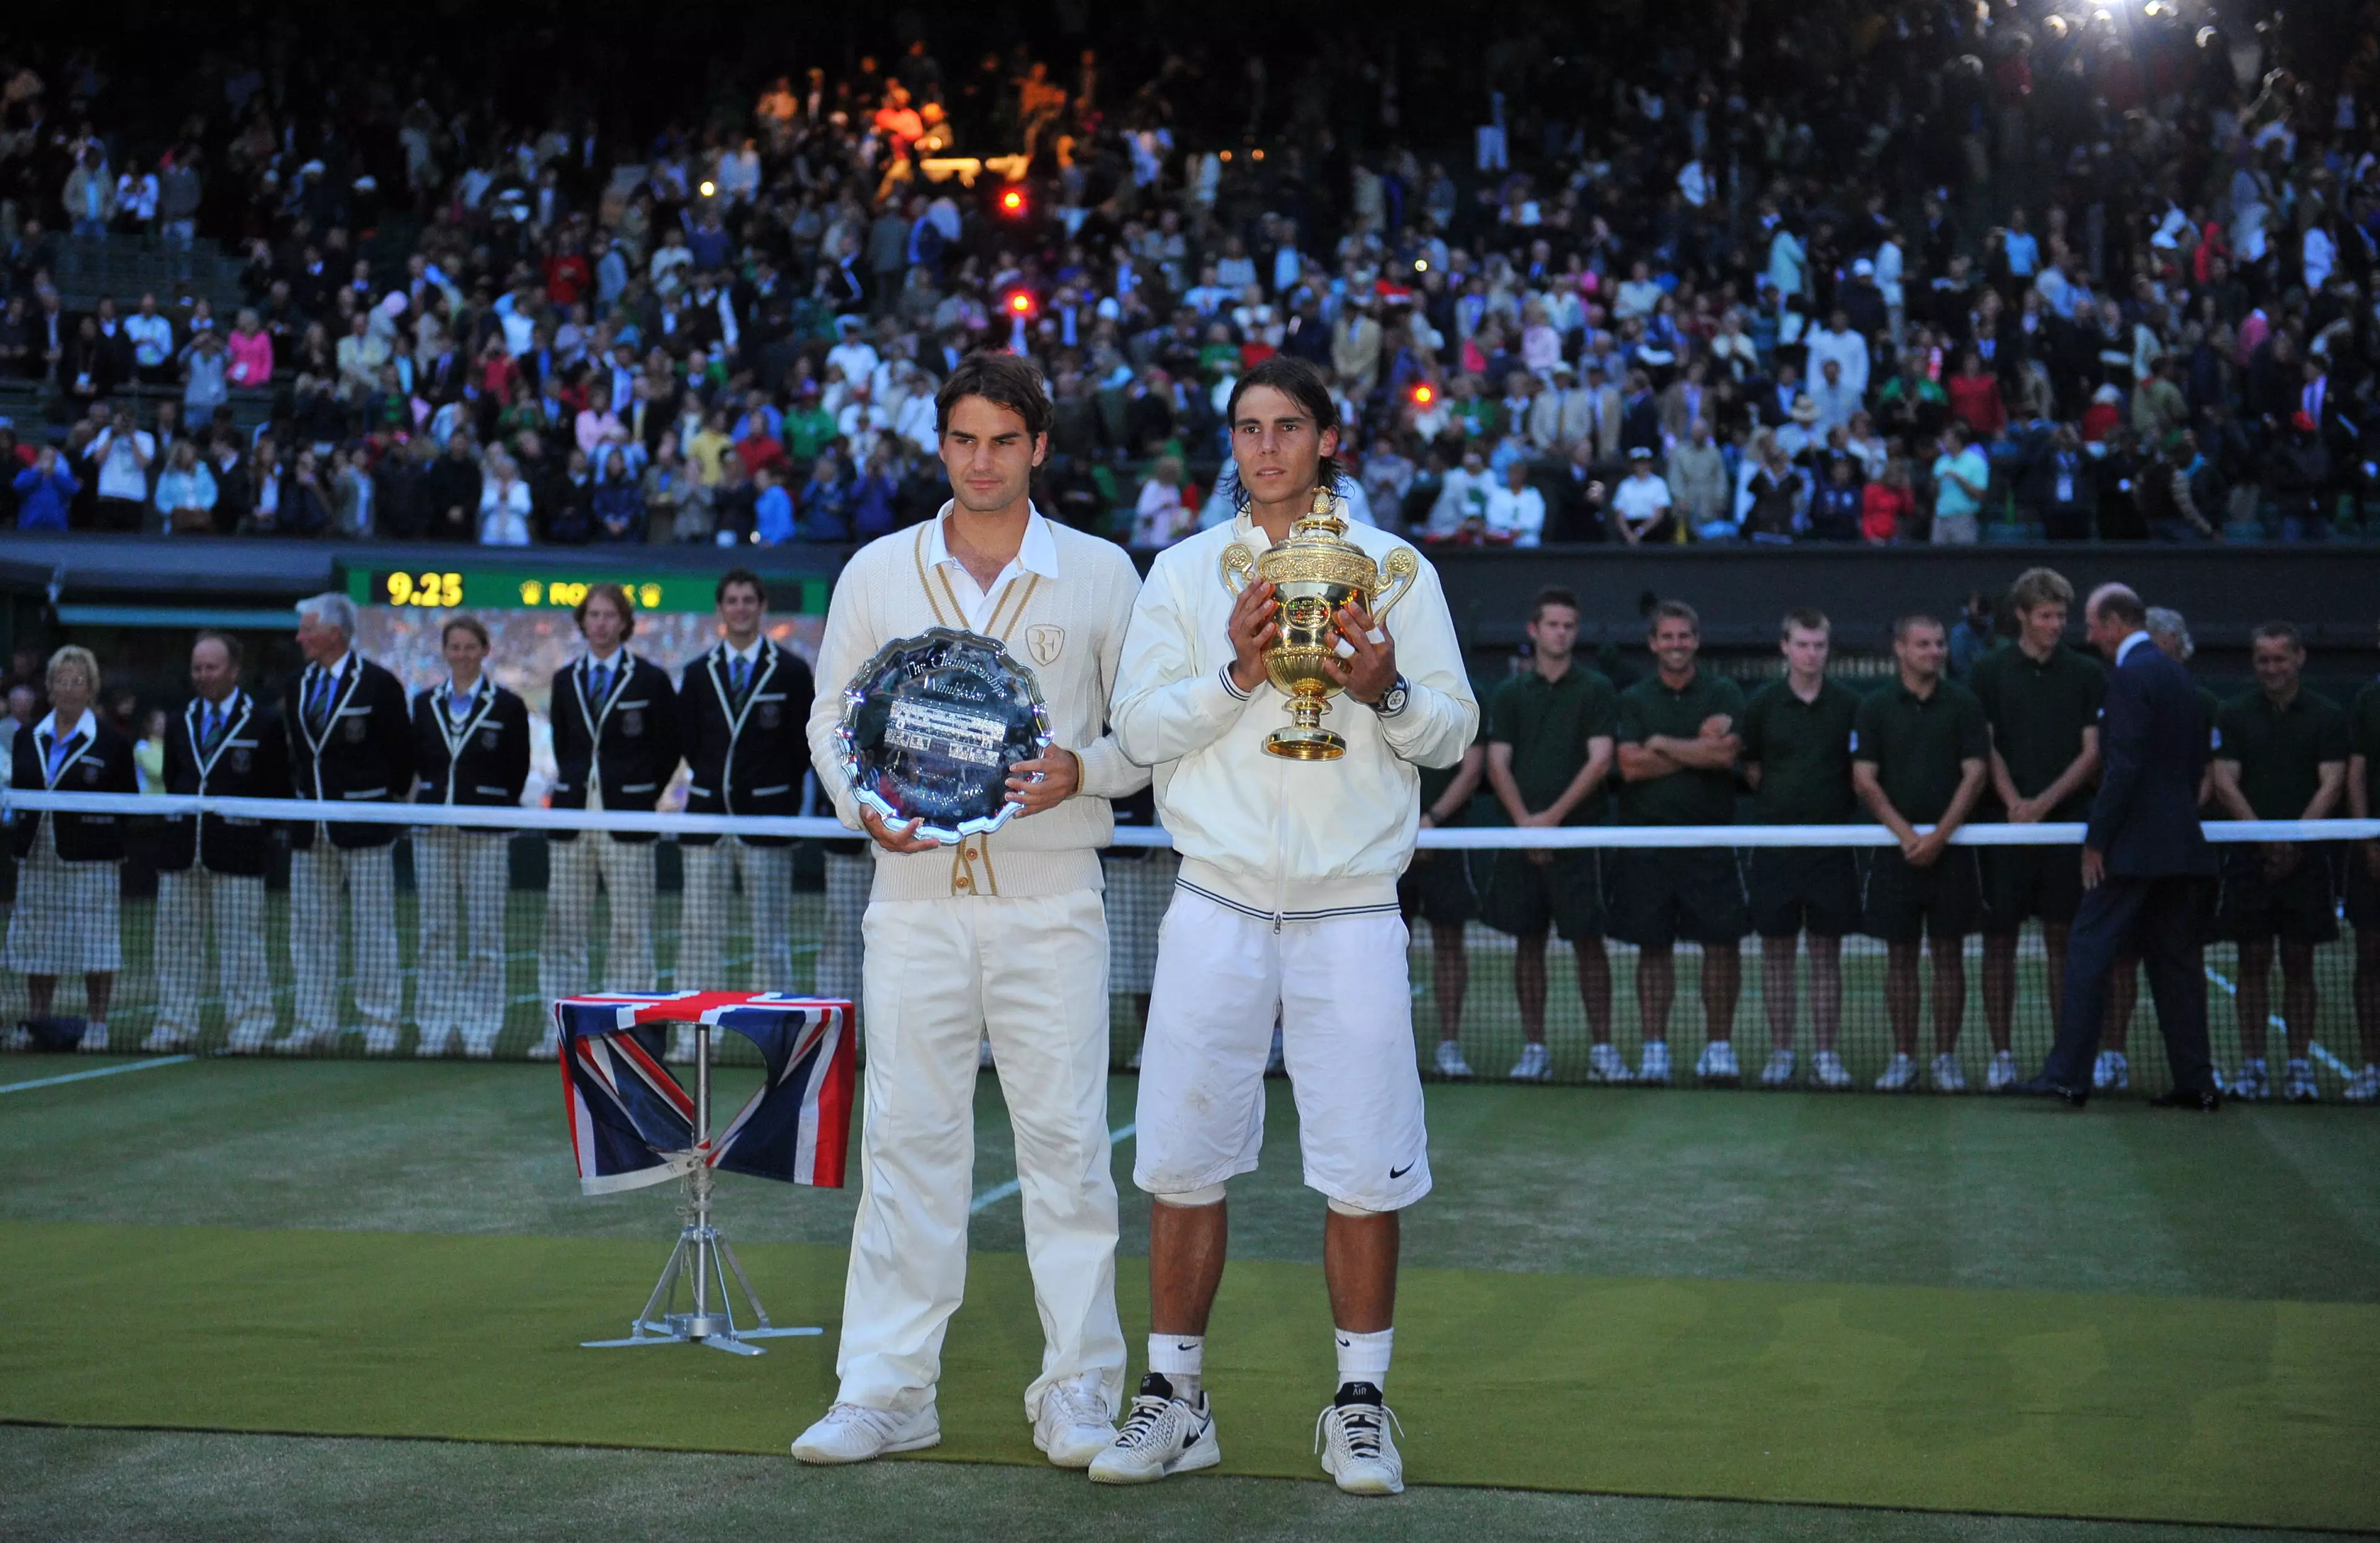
x=1696, y=1305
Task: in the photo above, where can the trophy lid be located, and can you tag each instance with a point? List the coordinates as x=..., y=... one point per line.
x=1316, y=549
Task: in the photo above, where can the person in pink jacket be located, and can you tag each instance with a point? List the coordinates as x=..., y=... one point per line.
x=251, y=352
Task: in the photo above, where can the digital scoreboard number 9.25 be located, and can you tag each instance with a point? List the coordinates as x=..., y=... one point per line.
x=430, y=589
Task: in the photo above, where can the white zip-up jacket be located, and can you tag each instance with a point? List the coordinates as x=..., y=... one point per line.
x=1269, y=836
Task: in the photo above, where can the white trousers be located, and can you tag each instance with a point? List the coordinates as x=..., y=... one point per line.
x=1340, y=987
x=463, y=877
x=187, y=904
x=320, y=877
x=941, y=973
x=767, y=873
x=625, y=873
x=849, y=876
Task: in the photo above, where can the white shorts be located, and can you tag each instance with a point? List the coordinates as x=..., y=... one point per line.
x=1339, y=985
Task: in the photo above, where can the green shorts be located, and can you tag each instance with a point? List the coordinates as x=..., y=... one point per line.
x=1437, y=886
x=1661, y=896
x=1522, y=898
x=1904, y=904
x=2298, y=908
x=1799, y=888
x=2043, y=882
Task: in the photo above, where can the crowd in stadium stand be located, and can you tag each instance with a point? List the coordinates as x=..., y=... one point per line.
x=1876, y=273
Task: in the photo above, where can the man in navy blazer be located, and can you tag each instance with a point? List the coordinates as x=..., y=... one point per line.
x=2143, y=856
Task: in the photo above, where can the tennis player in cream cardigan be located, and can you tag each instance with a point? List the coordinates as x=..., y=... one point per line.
x=1004, y=934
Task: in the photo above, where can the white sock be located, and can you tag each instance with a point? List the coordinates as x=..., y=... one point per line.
x=1364, y=1357
x=1181, y=1359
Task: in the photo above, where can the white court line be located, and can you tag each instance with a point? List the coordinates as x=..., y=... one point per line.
x=1000, y=1192
x=2274, y=1020
x=95, y=1071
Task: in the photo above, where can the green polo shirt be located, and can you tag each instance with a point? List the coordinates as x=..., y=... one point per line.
x=1690, y=796
x=2364, y=739
x=1548, y=724
x=2281, y=750
x=2038, y=711
x=1917, y=743
x=1436, y=779
x=1804, y=750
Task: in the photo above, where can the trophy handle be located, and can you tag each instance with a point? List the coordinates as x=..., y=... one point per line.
x=1404, y=570
x=1238, y=562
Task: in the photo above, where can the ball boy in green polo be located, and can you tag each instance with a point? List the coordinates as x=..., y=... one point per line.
x=1797, y=756
x=1549, y=751
x=1678, y=742
x=2042, y=700
x=1919, y=748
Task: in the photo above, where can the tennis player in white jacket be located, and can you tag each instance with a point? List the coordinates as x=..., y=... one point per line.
x=1286, y=907
x=1001, y=934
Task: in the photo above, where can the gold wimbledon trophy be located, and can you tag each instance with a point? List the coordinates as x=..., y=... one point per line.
x=1313, y=572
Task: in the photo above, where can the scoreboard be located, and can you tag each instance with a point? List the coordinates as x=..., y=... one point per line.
x=558, y=589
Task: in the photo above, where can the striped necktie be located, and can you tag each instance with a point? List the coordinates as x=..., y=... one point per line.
x=318, y=699
x=739, y=676
x=600, y=680
x=212, y=726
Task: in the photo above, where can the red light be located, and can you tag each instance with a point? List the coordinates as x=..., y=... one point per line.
x=1021, y=303
x=1011, y=202
x=1424, y=397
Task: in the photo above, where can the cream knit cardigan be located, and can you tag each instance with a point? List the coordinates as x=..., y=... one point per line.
x=1068, y=630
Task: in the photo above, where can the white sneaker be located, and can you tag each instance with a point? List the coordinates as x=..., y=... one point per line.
x=1352, y=1434
x=1450, y=1060
x=246, y=1041
x=2111, y=1073
x=17, y=1038
x=2364, y=1086
x=380, y=1040
x=2002, y=1075
x=429, y=1046
x=1947, y=1077
x=1717, y=1064
x=1162, y=1435
x=1537, y=1064
x=983, y=1061
x=162, y=1041
x=2249, y=1084
x=94, y=1039
x=1654, y=1067
x=853, y=1433
x=1900, y=1075
x=546, y=1048
x=1779, y=1073
x=1603, y=1065
x=1074, y=1424
x=2297, y=1083
x=479, y=1047
x=1826, y=1071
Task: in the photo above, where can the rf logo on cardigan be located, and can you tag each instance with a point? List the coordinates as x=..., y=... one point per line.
x=1046, y=642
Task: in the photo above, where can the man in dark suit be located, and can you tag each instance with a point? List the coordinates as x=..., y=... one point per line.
x=742, y=712
x=2144, y=859
x=471, y=746
x=211, y=867
x=616, y=746
x=350, y=741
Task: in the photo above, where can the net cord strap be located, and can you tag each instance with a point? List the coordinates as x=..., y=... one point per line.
x=308, y=811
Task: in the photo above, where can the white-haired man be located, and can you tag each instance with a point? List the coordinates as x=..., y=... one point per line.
x=350, y=742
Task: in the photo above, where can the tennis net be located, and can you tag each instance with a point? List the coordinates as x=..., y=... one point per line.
x=452, y=938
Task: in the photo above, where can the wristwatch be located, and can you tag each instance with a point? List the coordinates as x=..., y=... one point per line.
x=1392, y=700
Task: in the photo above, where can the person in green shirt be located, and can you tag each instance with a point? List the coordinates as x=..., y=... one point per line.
x=810, y=428
x=1797, y=756
x=2364, y=885
x=2280, y=753
x=1919, y=751
x=2042, y=700
x=1549, y=751
x=1677, y=745
x=1438, y=887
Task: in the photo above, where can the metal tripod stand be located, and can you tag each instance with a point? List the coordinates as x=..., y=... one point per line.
x=703, y=1255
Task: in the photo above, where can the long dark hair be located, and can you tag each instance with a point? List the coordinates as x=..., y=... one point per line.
x=1301, y=383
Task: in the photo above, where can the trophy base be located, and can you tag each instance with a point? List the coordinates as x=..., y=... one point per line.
x=1304, y=744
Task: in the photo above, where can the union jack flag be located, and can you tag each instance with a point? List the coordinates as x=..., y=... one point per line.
x=631, y=1124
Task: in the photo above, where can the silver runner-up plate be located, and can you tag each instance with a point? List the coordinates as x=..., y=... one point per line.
x=932, y=726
